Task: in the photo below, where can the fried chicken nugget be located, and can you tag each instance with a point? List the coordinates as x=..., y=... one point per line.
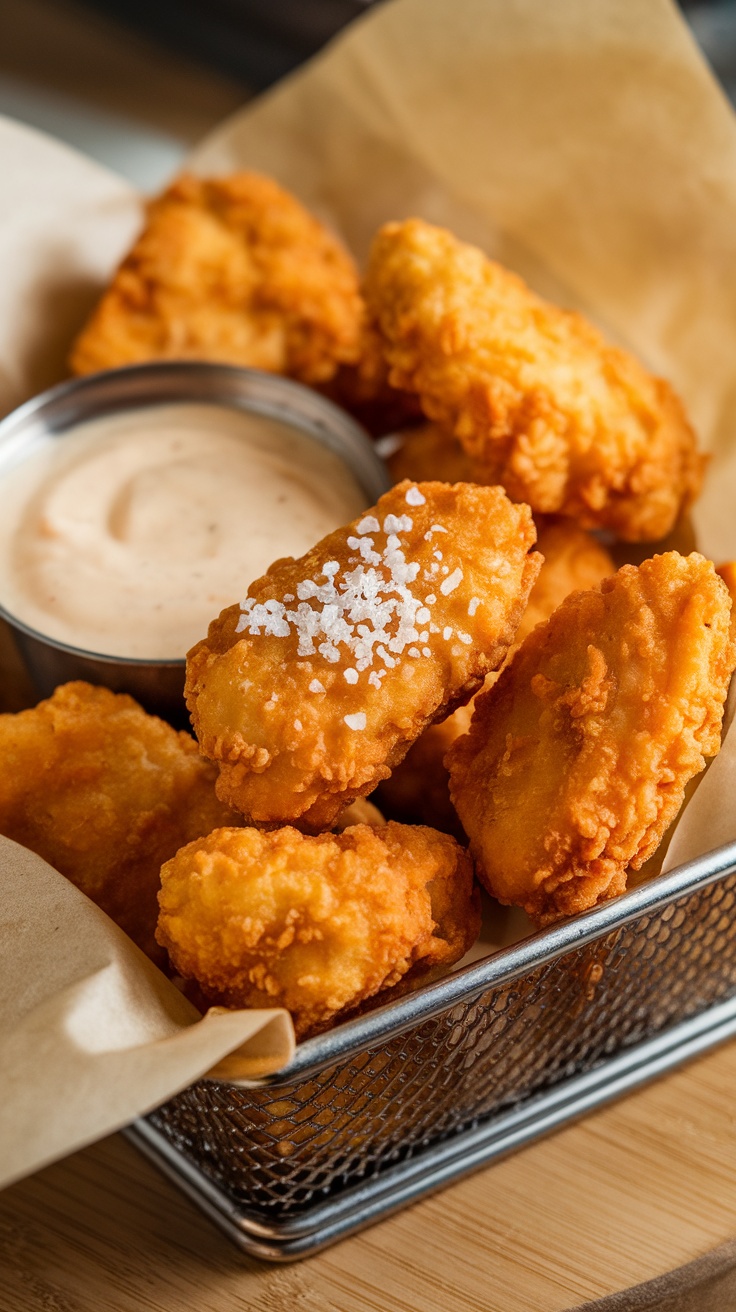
x=317, y=925
x=577, y=759
x=419, y=788
x=360, y=812
x=311, y=690
x=105, y=793
x=428, y=453
x=574, y=561
x=233, y=270
x=727, y=572
x=539, y=400
x=364, y=390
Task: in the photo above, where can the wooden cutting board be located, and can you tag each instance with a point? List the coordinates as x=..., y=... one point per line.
x=631, y=1192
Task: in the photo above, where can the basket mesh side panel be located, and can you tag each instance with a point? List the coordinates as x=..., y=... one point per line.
x=278, y=1150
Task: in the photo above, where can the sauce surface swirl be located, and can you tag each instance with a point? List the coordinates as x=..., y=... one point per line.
x=128, y=535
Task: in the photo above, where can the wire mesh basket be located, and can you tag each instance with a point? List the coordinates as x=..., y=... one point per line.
x=385, y=1108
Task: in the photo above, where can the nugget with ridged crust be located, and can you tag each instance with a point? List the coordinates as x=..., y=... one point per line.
x=418, y=790
x=317, y=925
x=577, y=759
x=539, y=400
x=727, y=572
x=232, y=270
x=105, y=793
x=310, y=691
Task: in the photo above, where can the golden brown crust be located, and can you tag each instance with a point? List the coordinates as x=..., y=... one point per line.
x=577, y=759
x=317, y=925
x=233, y=270
x=419, y=788
x=538, y=399
x=360, y=812
x=363, y=388
x=105, y=793
x=428, y=452
x=308, y=697
x=574, y=561
x=727, y=572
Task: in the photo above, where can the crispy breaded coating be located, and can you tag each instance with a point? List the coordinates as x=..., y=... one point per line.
x=418, y=790
x=363, y=388
x=317, y=925
x=577, y=759
x=360, y=812
x=538, y=399
x=310, y=691
x=105, y=793
x=573, y=562
x=427, y=453
x=232, y=270
x=727, y=572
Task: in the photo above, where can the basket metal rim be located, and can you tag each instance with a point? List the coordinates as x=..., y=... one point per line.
x=439, y=1164
x=394, y=1018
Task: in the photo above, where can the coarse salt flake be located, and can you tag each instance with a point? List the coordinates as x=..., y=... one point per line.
x=351, y=676
x=452, y=581
x=473, y=606
x=464, y=637
x=298, y=726
x=447, y=633
x=397, y=524
x=369, y=525
x=356, y=721
x=415, y=498
x=364, y=608
x=374, y=678
x=316, y=686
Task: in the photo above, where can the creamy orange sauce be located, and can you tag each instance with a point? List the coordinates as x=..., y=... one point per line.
x=127, y=536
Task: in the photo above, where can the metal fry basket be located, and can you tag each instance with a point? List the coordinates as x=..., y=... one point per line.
x=389, y=1107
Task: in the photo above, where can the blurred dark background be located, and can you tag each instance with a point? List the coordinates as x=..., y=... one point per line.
x=135, y=83
x=257, y=41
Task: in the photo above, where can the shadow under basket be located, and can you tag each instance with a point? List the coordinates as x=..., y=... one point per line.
x=389, y=1107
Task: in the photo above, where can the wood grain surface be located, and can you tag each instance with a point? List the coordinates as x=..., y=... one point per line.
x=631, y=1192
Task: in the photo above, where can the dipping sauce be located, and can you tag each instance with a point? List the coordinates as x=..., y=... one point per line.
x=129, y=534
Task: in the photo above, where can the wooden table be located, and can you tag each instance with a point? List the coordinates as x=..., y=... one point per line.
x=631, y=1192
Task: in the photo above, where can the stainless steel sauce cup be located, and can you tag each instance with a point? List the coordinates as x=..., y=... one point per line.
x=158, y=684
